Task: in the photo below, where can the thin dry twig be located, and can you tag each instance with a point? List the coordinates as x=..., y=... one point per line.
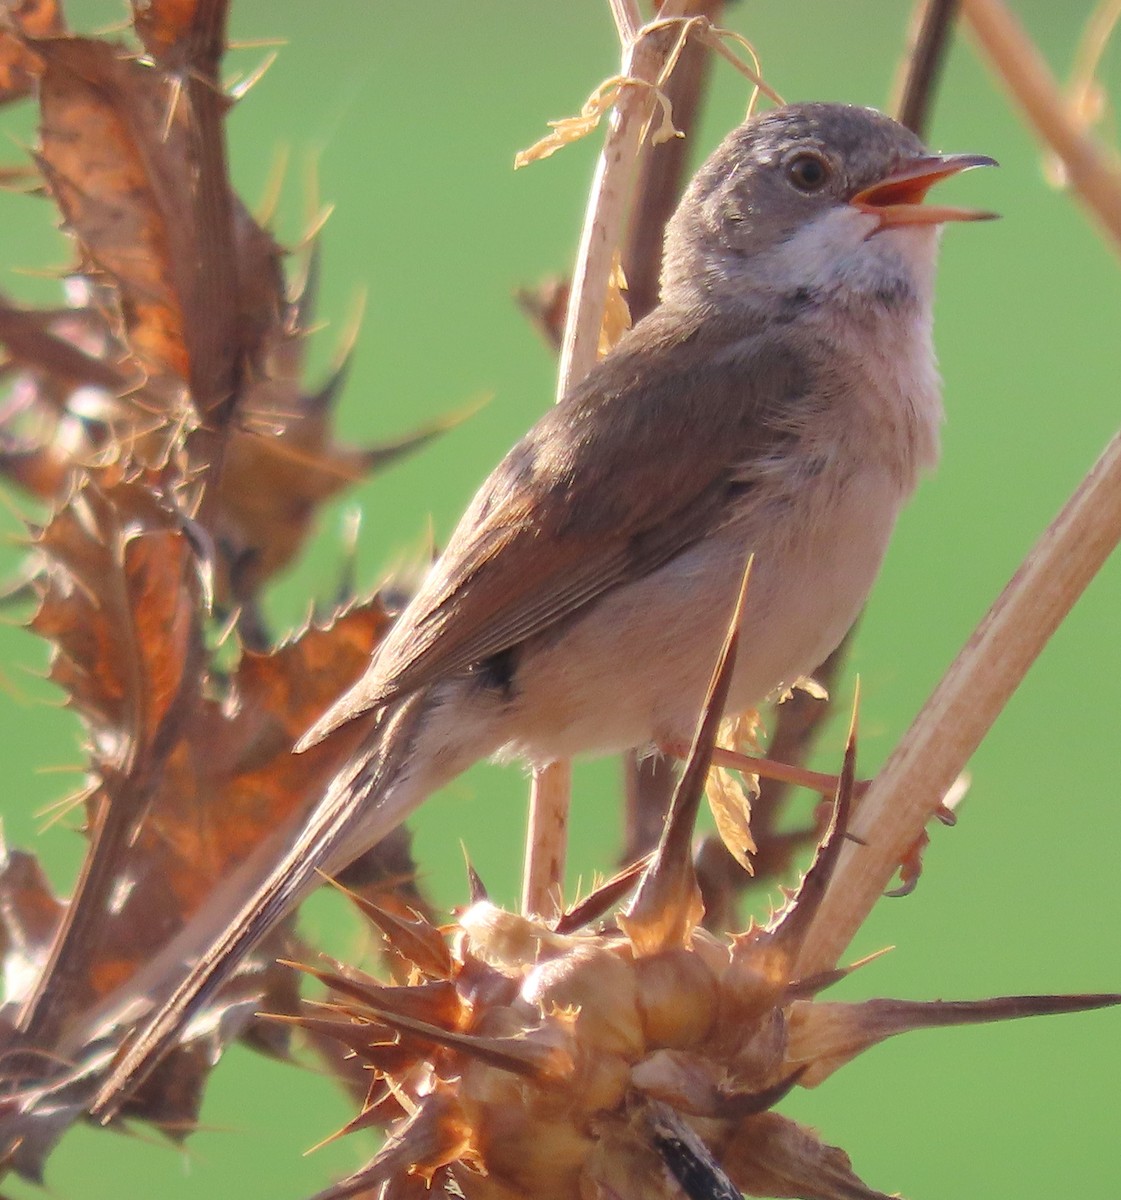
x=1094, y=178
x=644, y=58
x=932, y=25
x=906, y=793
x=989, y=668
x=649, y=780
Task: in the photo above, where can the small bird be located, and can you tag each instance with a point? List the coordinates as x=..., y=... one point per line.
x=781, y=402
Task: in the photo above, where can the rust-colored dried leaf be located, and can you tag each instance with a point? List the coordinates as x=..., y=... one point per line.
x=114, y=148
x=282, y=463
x=224, y=778
x=19, y=64
x=162, y=24
x=30, y=913
x=120, y=603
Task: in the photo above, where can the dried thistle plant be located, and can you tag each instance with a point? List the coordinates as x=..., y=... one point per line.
x=560, y=1051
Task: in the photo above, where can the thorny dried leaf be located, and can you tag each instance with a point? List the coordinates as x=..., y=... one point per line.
x=115, y=148
x=120, y=406
x=187, y=779
x=31, y=914
x=119, y=603
x=76, y=404
x=19, y=64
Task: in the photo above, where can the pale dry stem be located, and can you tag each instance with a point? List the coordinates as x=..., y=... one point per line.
x=950, y=726
x=980, y=682
x=644, y=60
x=1093, y=176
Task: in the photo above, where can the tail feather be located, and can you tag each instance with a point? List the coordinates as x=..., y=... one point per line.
x=365, y=801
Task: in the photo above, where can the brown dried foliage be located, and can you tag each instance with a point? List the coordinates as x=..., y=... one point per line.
x=162, y=419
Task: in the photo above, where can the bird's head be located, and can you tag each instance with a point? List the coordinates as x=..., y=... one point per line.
x=808, y=202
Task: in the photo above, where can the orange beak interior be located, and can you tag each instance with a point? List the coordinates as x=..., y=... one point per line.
x=898, y=199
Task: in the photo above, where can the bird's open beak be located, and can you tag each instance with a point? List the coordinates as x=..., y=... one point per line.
x=898, y=199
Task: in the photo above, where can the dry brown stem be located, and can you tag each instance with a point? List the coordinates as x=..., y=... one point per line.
x=989, y=668
x=963, y=707
x=931, y=27
x=644, y=58
x=1094, y=178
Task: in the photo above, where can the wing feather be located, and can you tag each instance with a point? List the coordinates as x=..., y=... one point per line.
x=590, y=499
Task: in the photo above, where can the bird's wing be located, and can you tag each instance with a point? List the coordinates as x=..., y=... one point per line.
x=609, y=485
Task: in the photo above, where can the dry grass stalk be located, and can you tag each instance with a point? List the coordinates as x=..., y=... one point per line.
x=644, y=58
x=1093, y=175
x=978, y=685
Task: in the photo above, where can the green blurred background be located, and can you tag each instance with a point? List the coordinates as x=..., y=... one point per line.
x=409, y=115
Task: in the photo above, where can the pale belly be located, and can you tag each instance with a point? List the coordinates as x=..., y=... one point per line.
x=634, y=670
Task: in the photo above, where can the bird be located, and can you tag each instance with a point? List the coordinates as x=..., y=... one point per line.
x=780, y=403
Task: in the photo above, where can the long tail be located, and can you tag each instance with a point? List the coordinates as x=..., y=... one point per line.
x=366, y=800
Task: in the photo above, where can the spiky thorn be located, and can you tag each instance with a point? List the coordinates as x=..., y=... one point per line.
x=789, y=927
x=306, y=294
x=476, y=888
x=354, y=1032
x=417, y=941
x=605, y=897
x=322, y=401
x=377, y=457
x=435, y=1001
x=667, y=907
x=433, y=1136
x=825, y=1036
x=540, y=1061
x=811, y=985
x=686, y=1157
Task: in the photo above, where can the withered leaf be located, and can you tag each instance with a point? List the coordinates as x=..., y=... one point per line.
x=120, y=602
x=730, y=801
x=770, y=1155
x=19, y=65
x=162, y=25
x=29, y=915
x=114, y=150
x=200, y=775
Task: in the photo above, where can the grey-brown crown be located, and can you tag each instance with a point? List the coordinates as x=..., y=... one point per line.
x=745, y=199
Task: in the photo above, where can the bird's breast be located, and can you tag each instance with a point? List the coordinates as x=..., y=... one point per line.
x=633, y=667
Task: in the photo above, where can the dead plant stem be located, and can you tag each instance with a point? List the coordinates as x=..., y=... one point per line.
x=1095, y=179
x=989, y=668
x=643, y=58
x=962, y=709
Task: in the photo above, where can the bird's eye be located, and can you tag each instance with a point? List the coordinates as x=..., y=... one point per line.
x=807, y=171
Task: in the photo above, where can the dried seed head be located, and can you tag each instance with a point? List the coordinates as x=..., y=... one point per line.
x=577, y=1065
